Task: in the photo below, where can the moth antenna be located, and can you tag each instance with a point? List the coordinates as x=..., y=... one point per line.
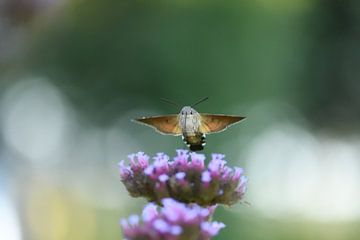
x=169, y=102
x=200, y=101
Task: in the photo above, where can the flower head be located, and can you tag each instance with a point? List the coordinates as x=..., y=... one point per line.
x=174, y=221
x=186, y=178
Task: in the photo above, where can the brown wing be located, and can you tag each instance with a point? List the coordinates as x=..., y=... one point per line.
x=167, y=124
x=212, y=123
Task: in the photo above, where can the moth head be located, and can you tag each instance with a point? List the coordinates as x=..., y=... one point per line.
x=188, y=111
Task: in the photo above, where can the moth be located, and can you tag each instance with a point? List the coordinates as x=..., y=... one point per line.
x=190, y=124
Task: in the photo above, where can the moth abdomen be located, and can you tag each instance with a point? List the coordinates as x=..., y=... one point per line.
x=196, y=142
x=196, y=148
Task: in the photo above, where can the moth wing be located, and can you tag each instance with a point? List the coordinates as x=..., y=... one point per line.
x=167, y=124
x=212, y=123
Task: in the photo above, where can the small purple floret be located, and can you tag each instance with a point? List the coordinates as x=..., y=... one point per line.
x=237, y=174
x=163, y=178
x=205, y=177
x=180, y=175
x=150, y=212
x=211, y=229
x=197, y=161
x=161, y=226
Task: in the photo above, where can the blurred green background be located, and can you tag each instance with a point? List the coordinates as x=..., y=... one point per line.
x=73, y=73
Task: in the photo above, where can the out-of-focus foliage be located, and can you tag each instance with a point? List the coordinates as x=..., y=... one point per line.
x=73, y=73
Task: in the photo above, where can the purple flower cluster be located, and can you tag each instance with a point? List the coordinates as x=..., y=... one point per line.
x=186, y=178
x=174, y=221
x=183, y=192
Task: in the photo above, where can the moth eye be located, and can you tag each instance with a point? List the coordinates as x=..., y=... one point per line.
x=190, y=112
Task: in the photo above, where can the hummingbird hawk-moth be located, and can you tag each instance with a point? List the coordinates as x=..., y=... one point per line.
x=193, y=126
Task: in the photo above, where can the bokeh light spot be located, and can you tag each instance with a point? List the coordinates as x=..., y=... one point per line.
x=34, y=119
